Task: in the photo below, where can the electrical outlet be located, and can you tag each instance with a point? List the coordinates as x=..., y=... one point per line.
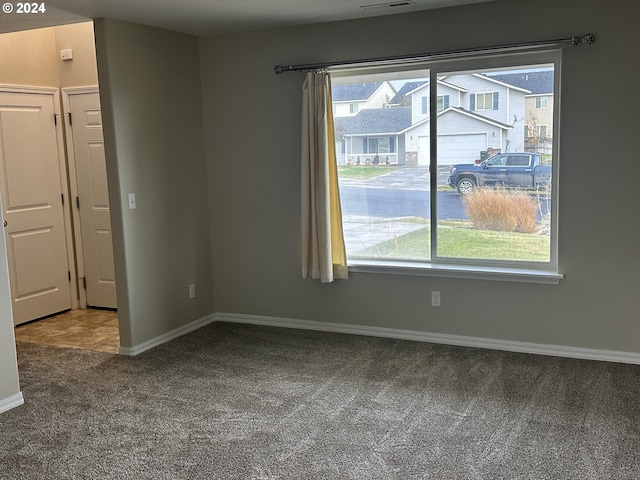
x=435, y=299
x=192, y=290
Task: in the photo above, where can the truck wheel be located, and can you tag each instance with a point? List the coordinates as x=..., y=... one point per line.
x=465, y=186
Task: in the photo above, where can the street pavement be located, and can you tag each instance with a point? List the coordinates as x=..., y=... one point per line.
x=409, y=178
x=364, y=231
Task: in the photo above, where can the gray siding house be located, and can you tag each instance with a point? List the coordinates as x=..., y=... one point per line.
x=476, y=113
x=373, y=136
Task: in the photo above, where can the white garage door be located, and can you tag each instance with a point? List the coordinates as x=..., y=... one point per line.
x=460, y=148
x=464, y=148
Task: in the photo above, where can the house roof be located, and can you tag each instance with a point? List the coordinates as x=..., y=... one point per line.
x=476, y=116
x=375, y=121
x=497, y=80
x=442, y=82
x=354, y=92
x=462, y=111
x=537, y=82
x=399, y=97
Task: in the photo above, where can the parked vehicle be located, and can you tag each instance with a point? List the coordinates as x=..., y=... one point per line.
x=510, y=170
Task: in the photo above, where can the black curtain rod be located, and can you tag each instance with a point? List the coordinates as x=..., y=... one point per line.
x=588, y=39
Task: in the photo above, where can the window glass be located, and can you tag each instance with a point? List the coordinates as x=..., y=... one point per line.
x=480, y=194
x=484, y=101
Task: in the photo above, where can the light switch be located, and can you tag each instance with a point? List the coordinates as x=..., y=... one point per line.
x=132, y=201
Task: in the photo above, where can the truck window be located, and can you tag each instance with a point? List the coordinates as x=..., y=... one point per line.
x=497, y=161
x=518, y=161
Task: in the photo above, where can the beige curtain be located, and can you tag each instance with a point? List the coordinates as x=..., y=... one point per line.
x=323, y=251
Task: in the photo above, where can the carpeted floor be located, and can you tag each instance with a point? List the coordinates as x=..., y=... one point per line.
x=246, y=402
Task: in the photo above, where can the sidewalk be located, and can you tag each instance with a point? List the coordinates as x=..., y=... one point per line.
x=361, y=232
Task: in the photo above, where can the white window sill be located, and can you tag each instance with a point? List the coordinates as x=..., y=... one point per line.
x=496, y=273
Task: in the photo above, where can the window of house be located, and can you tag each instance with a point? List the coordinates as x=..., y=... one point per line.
x=353, y=108
x=542, y=102
x=378, y=145
x=446, y=204
x=542, y=131
x=443, y=102
x=539, y=131
x=484, y=101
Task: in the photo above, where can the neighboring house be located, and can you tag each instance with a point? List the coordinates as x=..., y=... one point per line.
x=348, y=100
x=538, y=106
x=462, y=136
x=476, y=113
x=373, y=136
x=403, y=97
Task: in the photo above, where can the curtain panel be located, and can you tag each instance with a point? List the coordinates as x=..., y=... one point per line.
x=323, y=250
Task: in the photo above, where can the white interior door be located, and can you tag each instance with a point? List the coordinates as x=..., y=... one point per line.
x=31, y=188
x=93, y=199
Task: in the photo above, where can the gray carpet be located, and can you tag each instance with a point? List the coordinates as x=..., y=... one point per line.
x=245, y=402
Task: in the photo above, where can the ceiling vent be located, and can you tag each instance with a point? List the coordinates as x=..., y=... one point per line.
x=397, y=4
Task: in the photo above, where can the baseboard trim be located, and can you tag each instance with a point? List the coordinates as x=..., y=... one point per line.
x=178, y=332
x=11, y=402
x=458, y=340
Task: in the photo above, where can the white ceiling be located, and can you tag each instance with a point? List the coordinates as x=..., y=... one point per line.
x=204, y=17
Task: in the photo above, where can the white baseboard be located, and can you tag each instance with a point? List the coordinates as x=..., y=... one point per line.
x=11, y=402
x=164, y=338
x=458, y=340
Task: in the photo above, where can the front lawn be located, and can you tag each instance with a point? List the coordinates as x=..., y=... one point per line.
x=363, y=172
x=456, y=240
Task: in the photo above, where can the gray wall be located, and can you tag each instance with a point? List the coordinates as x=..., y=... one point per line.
x=254, y=190
x=150, y=93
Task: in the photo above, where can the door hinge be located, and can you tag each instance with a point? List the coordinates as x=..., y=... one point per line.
x=84, y=282
x=70, y=121
x=78, y=202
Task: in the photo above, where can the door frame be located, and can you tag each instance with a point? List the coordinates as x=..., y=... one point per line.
x=64, y=178
x=67, y=92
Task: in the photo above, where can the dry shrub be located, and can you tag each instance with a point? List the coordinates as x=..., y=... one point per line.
x=501, y=210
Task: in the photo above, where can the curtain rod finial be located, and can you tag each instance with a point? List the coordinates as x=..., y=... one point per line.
x=588, y=38
x=278, y=69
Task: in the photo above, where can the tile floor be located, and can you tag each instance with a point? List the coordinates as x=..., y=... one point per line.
x=89, y=329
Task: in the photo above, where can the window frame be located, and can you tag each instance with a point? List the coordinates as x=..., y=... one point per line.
x=539, y=102
x=484, y=101
x=469, y=268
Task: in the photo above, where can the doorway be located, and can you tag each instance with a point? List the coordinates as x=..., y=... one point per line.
x=79, y=270
x=31, y=186
x=91, y=213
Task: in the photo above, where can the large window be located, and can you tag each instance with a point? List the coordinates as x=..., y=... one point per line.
x=465, y=190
